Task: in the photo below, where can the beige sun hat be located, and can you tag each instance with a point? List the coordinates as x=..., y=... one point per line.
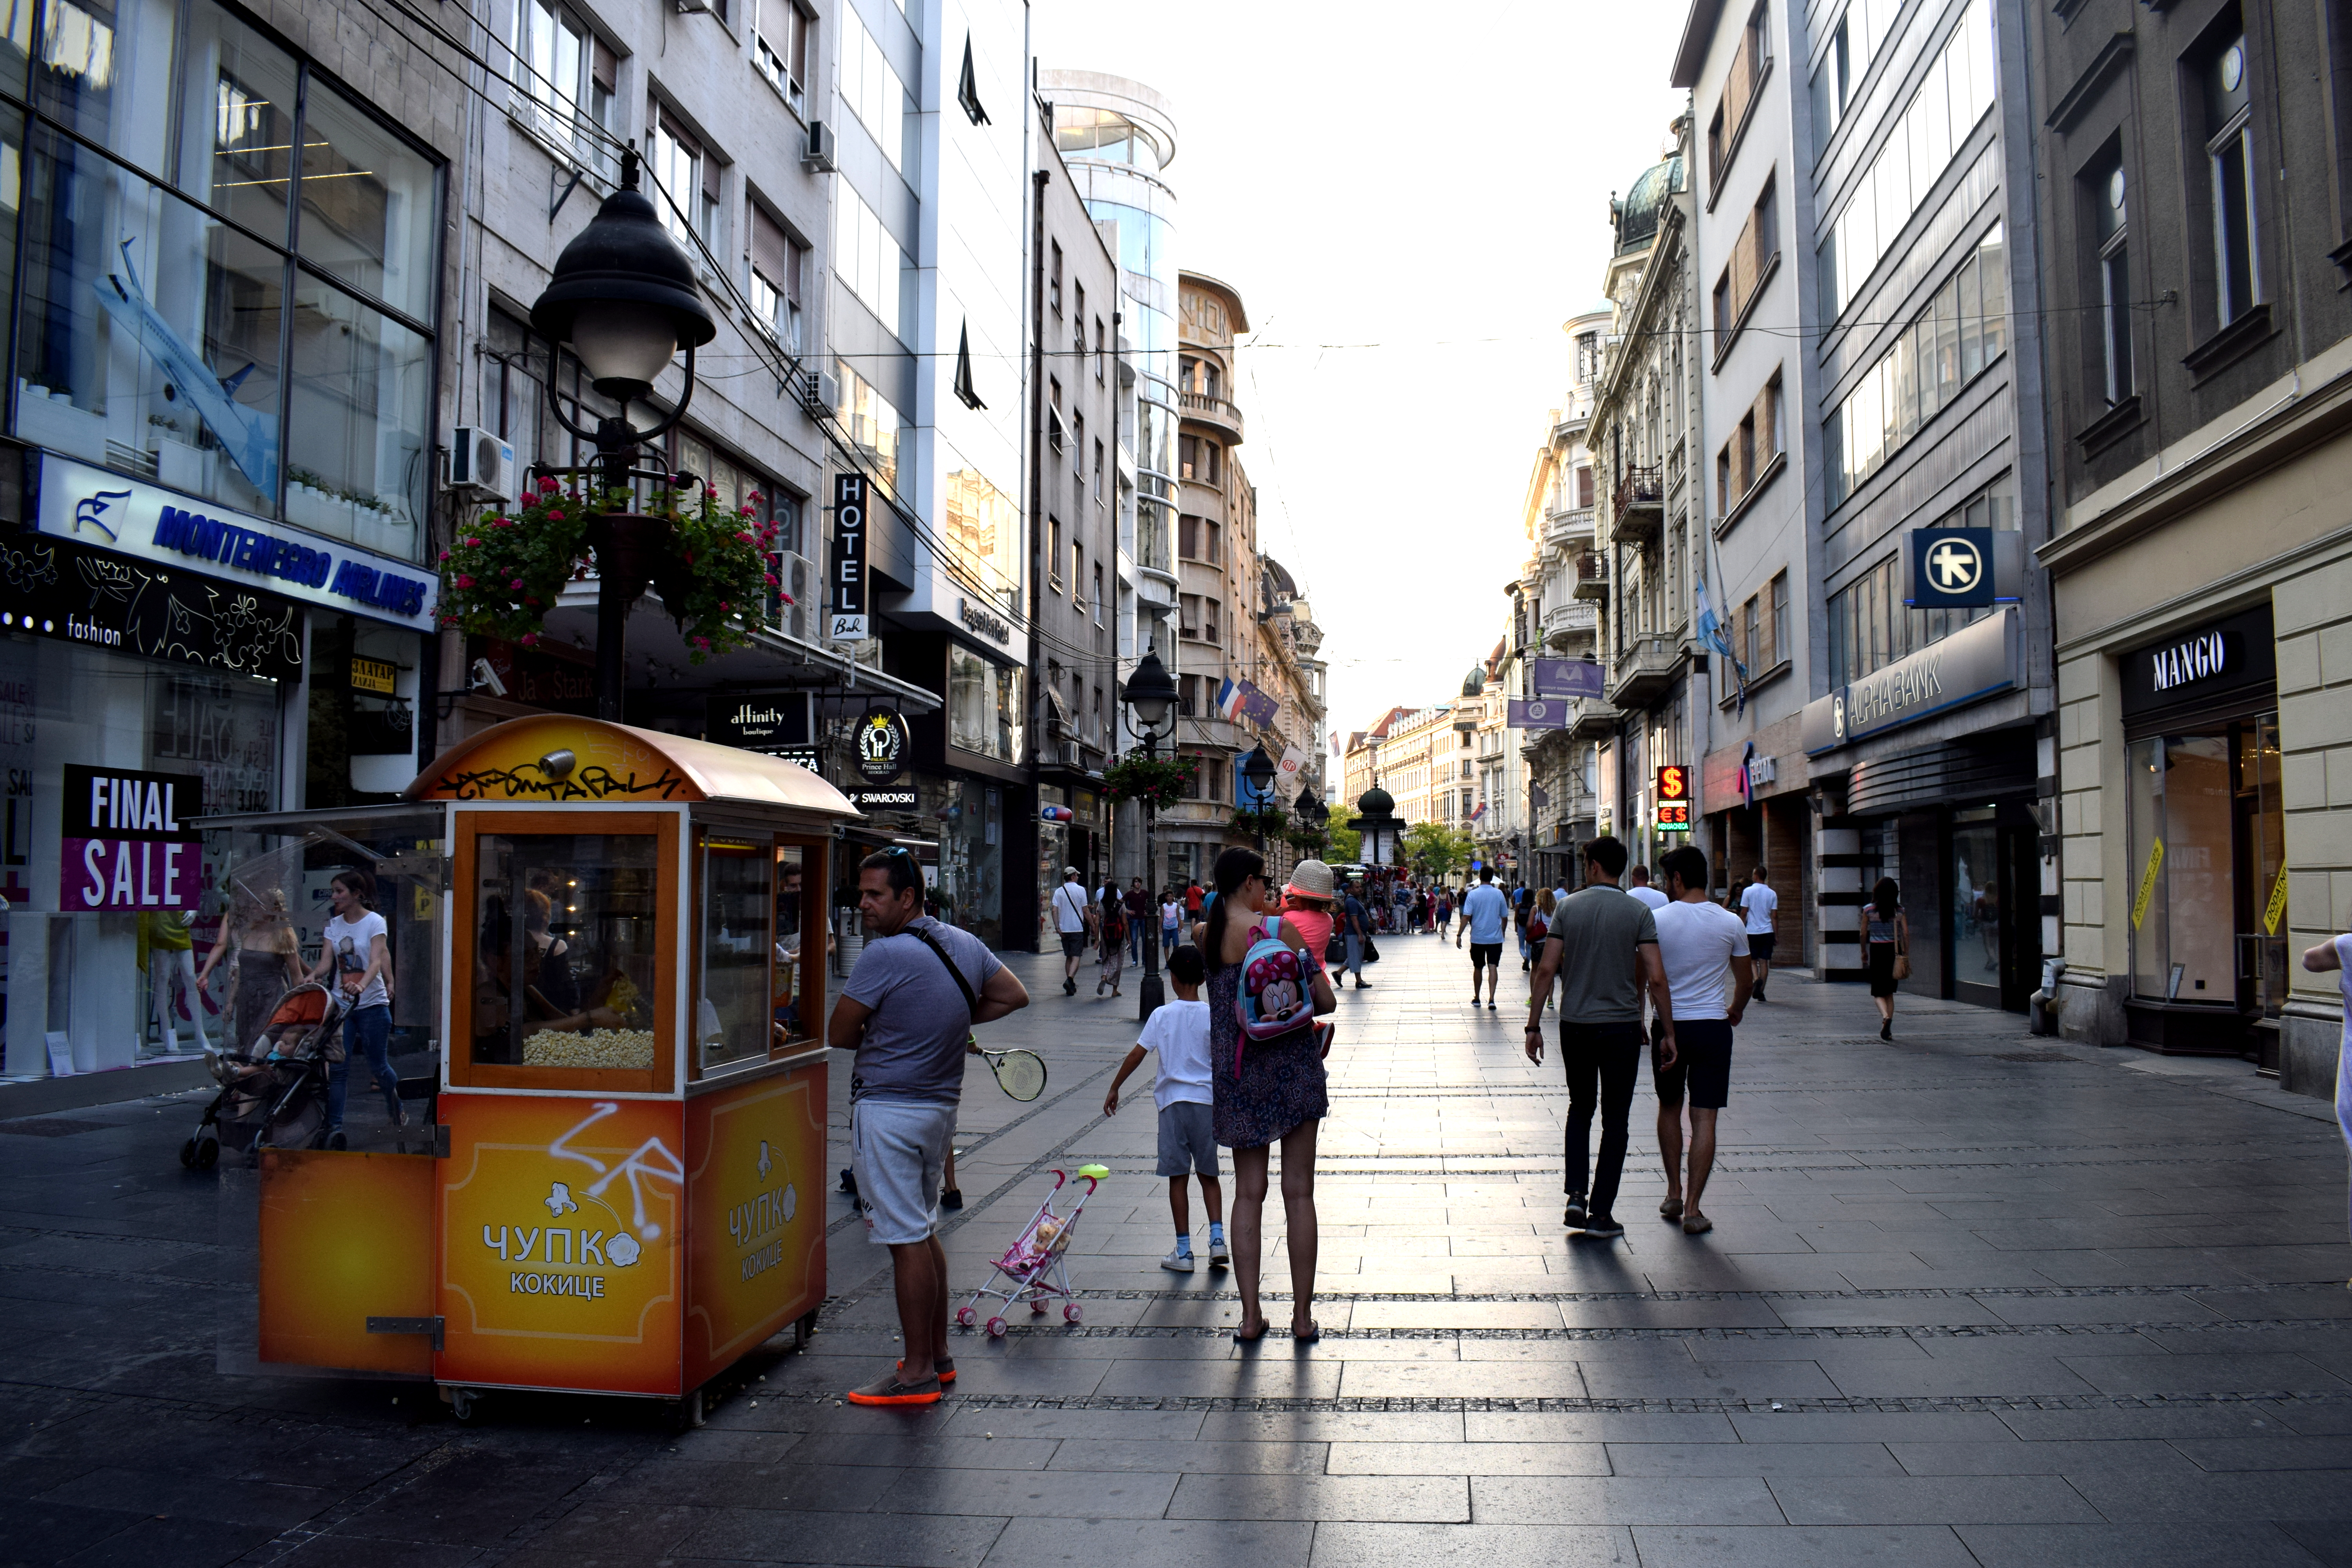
x=1310, y=880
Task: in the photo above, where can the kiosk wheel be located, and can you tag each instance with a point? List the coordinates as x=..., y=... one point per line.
x=464, y=1404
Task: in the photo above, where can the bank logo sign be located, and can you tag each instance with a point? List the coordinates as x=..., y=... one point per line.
x=132, y=518
x=1979, y=660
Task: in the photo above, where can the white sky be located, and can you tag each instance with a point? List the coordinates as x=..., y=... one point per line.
x=1432, y=184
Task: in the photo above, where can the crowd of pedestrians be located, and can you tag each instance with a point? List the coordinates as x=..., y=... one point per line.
x=1627, y=965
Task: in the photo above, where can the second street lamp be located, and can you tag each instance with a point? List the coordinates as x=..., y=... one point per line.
x=1257, y=769
x=1150, y=698
x=624, y=298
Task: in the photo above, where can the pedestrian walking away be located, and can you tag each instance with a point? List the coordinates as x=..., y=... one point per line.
x=1538, y=927
x=2335, y=954
x=1171, y=921
x=1073, y=916
x=1761, y=906
x=1267, y=1091
x=1603, y=942
x=1357, y=926
x=1888, y=952
x=1139, y=917
x=1114, y=945
x=1485, y=914
x=1445, y=914
x=1703, y=947
x=1185, y=1097
x=1638, y=884
x=1523, y=908
x=907, y=1010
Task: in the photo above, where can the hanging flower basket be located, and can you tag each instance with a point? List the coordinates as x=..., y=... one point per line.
x=503, y=573
x=1160, y=785
x=1270, y=820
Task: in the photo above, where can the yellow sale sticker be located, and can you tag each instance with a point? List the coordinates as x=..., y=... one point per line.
x=2146, y=883
x=2276, y=911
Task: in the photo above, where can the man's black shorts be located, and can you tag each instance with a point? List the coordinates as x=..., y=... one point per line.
x=1759, y=945
x=1073, y=944
x=1702, y=1063
x=1486, y=954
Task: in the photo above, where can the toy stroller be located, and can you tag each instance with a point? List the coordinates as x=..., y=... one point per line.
x=274, y=1087
x=1034, y=1267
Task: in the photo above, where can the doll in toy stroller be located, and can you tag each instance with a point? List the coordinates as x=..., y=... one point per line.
x=273, y=1088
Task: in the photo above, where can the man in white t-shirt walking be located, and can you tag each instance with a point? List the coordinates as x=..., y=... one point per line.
x=1485, y=914
x=1762, y=907
x=1637, y=882
x=1705, y=947
x=1073, y=915
x=2335, y=954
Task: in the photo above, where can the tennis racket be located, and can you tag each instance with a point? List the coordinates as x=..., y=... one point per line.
x=1021, y=1074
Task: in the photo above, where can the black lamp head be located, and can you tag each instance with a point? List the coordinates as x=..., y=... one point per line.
x=623, y=294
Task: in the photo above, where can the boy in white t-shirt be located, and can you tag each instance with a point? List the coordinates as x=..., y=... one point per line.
x=1179, y=1031
x=1761, y=906
x=2335, y=954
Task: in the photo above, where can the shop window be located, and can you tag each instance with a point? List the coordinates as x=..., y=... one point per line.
x=2205, y=849
x=985, y=706
x=734, y=1012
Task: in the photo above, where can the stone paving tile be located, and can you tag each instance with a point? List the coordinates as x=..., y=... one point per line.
x=1468, y=1460
x=1753, y=1459
x=1624, y=1500
x=2252, y=1545
x=1356, y=1499
x=1852, y=1546
x=1931, y=1500
x=1472, y=1546
x=1151, y=1543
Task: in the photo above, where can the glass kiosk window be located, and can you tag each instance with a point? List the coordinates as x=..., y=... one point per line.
x=797, y=998
x=566, y=926
x=733, y=1002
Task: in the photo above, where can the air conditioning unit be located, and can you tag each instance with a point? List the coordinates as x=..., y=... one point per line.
x=818, y=393
x=481, y=464
x=799, y=579
x=816, y=150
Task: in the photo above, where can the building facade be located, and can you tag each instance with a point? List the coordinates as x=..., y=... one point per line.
x=1645, y=437
x=2194, y=247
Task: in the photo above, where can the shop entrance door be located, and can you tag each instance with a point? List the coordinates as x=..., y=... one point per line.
x=2258, y=834
x=1994, y=950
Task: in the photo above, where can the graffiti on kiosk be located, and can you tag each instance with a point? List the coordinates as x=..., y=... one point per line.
x=574, y=1246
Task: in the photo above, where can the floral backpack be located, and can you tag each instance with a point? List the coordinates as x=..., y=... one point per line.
x=1275, y=999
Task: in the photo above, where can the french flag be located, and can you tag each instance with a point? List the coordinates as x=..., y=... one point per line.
x=1230, y=699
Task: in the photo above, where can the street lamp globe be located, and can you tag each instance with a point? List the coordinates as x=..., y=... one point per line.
x=624, y=295
x=1150, y=697
x=1258, y=769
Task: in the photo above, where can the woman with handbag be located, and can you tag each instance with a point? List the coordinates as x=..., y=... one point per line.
x=1888, y=936
x=1266, y=1092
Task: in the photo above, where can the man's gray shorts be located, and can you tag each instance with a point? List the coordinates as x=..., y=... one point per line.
x=899, y=1150
x=1188, y=1140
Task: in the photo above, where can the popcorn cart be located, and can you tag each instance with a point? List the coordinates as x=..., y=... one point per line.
x=625, y=1191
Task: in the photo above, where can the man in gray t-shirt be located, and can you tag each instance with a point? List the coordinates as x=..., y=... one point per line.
x=908, y=1012
x=1604, y=942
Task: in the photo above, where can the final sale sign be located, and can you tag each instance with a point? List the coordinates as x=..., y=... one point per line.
x=126, y=845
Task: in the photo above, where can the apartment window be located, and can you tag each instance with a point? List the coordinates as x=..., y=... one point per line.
x=1776, y=621
x=1078, y=572
x=1079, y=319
x=1188, y=537
x=688, y=179
x=1752, y=255
x=2105, y=194
x=1188, y=695
x=1209, y=633
x=780, y=49
x=1749, y=68
x=569, y=74
x=1099, y=471
x=1054, y=280
x=2229, y=155
x=1212, y=541
x=1098, y=594
x=1197, y=458
x=1053, y=551
x=778, y=263
x=1099, y=355
x=1193, y=789
x=1102, y=729
x=1584, y=485
x=1751, y=628
x=1079, y=445
x=1753, y=445
x=1187, y=617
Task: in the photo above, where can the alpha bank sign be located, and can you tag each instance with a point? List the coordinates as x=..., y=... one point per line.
x=1976, y=661
x=131, y=517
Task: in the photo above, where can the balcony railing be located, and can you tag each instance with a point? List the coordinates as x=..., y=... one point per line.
x=1592, y=577
x=1577, y=617
x=1643, y=670
x=1206, y=405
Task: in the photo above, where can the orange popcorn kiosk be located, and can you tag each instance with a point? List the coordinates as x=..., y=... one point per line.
x=623, y=1191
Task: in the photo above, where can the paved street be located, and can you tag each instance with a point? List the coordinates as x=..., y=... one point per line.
x=1974, y=1298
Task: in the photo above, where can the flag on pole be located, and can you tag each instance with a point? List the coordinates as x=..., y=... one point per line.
x=1479, y=812
x=1256, y=705
x=1229, y=700
x=1713, y=632
x=1286, y=770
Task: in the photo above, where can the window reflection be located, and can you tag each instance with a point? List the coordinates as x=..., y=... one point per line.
x=362, y=382
x=734, y=1007
x=367, y=204
x=571, y=982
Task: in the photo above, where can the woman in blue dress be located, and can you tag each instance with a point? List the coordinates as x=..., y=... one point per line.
x=1265, y=1092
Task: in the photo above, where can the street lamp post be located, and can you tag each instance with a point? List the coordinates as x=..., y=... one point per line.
x=624, y=298
x=1258, y=769
x=1150, y=698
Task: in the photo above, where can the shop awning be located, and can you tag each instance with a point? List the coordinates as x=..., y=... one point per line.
x=561, y=760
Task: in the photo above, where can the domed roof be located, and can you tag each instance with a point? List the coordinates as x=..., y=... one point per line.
x=1476, y=681
x=1637, y=214
x=1376, y=802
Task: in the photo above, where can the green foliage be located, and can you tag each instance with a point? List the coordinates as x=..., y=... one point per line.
x=1270, y=820
x=1345, y=845
x=502, y=573
x=1160, y=783
x=1435, y=848
x=1308, y=841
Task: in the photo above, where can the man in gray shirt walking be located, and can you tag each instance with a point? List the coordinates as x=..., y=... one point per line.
x=908, y=1012
x=1604, y=943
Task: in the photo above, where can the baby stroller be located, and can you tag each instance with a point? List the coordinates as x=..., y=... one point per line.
x=273, y=1088
x=1033, y=1267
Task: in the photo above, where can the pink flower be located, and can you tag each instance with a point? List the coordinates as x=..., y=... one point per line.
x=773, y=582
x=747, y=539
x=745, y=512
x=473, y=544
x=529, y=638
x=445, y=555
x=547, y=482
x=787, y=598
x=464, y=582
x=516, y=585
x=724, y=606
x=710, y=492
x=755, y=495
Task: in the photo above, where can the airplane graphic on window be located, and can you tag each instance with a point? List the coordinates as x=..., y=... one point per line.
x=247, y=435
